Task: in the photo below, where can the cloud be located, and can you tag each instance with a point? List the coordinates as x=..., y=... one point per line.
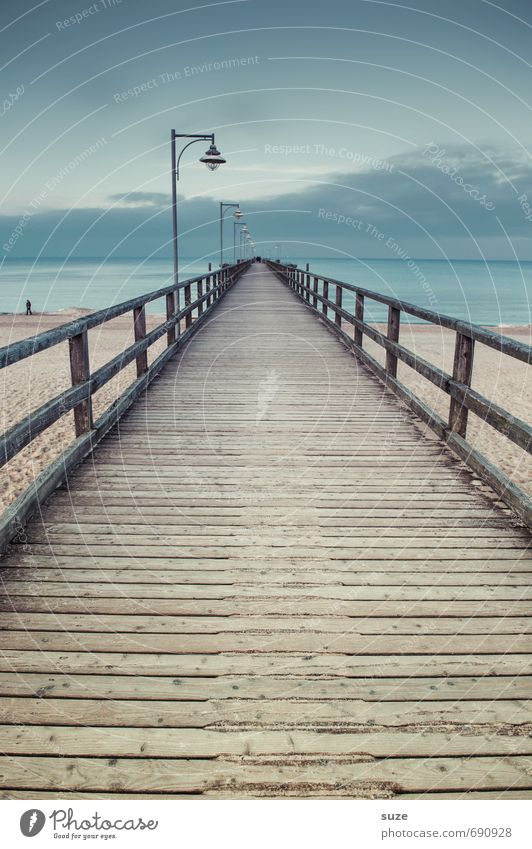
x=439, y=201
x=141, y=199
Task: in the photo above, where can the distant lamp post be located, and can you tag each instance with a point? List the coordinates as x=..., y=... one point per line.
x=236, y=224
x=237, y=214
x=244, y=230
x=212, y=158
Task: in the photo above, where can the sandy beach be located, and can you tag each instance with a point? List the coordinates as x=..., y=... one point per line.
x=30, y=383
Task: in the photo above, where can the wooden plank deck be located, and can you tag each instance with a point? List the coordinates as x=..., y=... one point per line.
x=268, y=581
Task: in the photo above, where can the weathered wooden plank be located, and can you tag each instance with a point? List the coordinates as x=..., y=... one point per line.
x=273, y=606
x=381, y=778
x=297, y=577
x=199, y=743
x=338, y=715
x=116, y=663
x=456, y=692
x=349, y=643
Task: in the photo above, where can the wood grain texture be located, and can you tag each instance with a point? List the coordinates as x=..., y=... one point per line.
x=267, y=581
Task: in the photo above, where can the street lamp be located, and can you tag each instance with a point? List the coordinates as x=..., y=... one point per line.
x=212, y=158
x=237, y=214
x=236, y=224
x=243, y=233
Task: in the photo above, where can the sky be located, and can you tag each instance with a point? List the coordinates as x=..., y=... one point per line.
x=350, y=128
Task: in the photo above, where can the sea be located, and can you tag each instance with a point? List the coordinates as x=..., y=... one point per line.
x=494, y=293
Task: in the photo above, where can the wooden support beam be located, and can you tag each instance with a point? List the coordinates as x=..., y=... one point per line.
x=188, y=299
x=337, y=315
x=394, y=322
x=200, y=294
x=462, y=373
x=80, y=373
x=315, y=298
x=139, y=326
x=326, y=296
x=170, y=312
x=359, y=314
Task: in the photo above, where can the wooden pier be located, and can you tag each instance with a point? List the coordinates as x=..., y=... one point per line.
x=266, y=581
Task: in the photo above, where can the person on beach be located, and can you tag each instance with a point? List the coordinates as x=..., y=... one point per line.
x=28, y=308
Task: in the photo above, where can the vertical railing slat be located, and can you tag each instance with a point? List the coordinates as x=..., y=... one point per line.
x=359, y=314
x=80, y=372
x=170, y=312
x=188, y=301
x=139, y=328
x=462, y=372
x=394, y=323
x=200, y=293
x=337, y=316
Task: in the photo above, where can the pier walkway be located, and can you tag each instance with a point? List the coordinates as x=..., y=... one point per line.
x=267, y=580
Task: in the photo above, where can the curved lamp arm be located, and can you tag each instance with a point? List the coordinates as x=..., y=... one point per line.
x=202, y=138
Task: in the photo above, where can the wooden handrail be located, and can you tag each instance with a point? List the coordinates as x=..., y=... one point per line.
x=505, y=344
x=84, y=383
x=462, y=397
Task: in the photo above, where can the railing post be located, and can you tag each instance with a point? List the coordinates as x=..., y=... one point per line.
x=139, y=327
x=188, y=300
x=462, y=373
x=359, y=314
x=394, y=321
x=337, y=316
x=315, y=297
x=307, y=283
x=200, y=293
x=325, y=295
x=170, y=312
x=80, y=372
x=208, y=289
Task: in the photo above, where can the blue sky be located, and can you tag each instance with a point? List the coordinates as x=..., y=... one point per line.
x=340, y=121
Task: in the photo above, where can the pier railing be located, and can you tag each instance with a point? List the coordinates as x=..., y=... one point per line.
x=325, y=296
x=209, y=288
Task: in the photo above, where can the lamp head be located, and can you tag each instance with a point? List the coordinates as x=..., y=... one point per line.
x=212, y=158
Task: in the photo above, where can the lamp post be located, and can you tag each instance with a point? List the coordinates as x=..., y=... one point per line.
x=237, y=214
x=236, y=224
x=212, y=158
x=243, y=232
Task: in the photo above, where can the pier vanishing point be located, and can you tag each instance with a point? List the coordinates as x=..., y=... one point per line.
x=269, y=569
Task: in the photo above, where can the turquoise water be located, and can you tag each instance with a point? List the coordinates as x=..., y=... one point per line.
x=57, y=284
x=491, y=293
